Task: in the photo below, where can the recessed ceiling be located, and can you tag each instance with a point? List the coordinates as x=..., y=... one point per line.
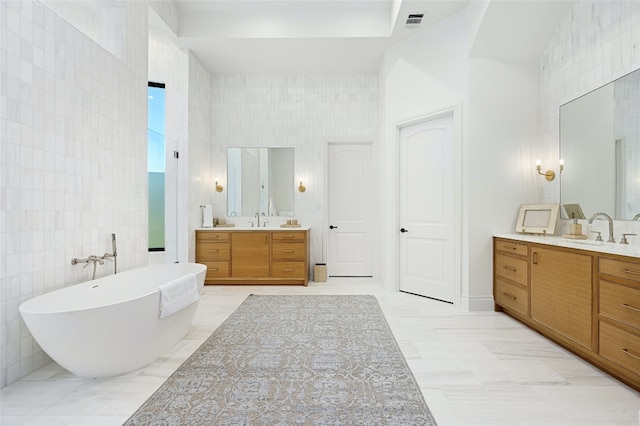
x=346, y=36
x=300, y=36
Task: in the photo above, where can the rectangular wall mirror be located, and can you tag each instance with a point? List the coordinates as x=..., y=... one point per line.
x=260, y=180
x=600, y=143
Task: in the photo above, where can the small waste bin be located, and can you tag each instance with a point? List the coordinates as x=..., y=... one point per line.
x=320, y=272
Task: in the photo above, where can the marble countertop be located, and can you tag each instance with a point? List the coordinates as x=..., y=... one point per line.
x=631, y=250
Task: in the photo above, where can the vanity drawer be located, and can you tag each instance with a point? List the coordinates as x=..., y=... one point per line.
x=288, y=251
x=217, y=269
x=289, y=236
x=511, y=296
x=212, y=236
x=620, y=269
x=620, y=303
x=209, y=251
x=512, y=247
x=620, y=346
x=512, y=268
x=287, y=270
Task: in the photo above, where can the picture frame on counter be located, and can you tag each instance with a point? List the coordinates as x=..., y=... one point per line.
x=538, y=218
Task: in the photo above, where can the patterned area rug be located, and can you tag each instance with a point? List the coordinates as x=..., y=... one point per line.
x=293, y=360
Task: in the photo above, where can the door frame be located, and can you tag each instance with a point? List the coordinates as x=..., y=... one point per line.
x=374, y=198
x=456, y=113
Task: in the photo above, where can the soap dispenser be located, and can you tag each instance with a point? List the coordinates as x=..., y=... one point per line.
x=575, y=231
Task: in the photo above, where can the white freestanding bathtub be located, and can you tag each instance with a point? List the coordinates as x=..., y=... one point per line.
x=111, y=325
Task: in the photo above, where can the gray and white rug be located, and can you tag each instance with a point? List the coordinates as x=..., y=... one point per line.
x=293, y=360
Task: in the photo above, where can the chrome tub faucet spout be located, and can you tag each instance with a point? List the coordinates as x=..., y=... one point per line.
x=606, y=216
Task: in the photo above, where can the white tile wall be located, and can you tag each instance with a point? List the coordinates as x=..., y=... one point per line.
x=300, y=111
x=200, y=173
x=596, y=43
x=73, y=160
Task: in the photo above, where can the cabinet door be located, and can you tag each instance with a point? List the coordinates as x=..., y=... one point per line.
x=250, y=254
x=561, y=293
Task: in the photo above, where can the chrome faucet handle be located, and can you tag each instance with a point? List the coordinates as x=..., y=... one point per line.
x=599, y=237
x=251, y=222
x=624, y=238
x=264, y=224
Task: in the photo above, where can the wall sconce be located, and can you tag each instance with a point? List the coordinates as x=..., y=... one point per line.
x=549, y=175
x=219, y=187
x=301, y=187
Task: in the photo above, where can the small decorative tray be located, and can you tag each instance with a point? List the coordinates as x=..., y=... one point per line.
x=574, y=236
x=225, y=225
x=289, y=226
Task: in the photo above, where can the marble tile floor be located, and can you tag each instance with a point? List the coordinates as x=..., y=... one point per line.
x=480, y=368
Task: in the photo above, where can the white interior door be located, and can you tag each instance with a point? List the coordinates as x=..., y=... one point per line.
x=350, y=234
x=427, y=209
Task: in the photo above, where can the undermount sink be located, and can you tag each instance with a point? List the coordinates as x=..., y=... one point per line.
x=587, y=242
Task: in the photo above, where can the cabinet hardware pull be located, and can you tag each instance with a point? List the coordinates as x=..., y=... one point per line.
x=287, y=251
x=629, y=271
x=287, y=270
x=624, y=305
x=510, y=296
x=214, y=250
x=628, y=352
x=289, y=236
x=534, y=258
x=510, y=268
x=215, y=269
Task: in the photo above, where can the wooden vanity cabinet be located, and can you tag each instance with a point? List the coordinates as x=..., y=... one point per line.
x=562, y=293
x=619, y=315
x=250, y=254
x=255, y=256
x=511, y=277
x=588, y=302
x=212, y=249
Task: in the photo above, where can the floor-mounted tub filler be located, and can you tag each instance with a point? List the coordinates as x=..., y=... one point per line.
x=115, y=324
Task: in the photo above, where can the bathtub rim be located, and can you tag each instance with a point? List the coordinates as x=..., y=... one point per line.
x=28, y=306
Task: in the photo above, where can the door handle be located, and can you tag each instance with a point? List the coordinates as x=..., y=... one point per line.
x=333, y=227
x=403, y=230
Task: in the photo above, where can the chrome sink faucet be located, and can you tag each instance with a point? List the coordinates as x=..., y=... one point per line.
x=257, y=216
x=611, y=239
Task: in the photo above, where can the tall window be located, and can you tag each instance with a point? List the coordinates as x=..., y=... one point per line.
x=156, y=165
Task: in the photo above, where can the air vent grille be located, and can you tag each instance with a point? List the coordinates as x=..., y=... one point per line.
x=415, y=18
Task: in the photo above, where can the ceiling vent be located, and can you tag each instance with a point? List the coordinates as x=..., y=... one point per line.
x=414, y=20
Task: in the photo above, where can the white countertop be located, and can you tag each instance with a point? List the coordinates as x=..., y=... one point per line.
x=249, y=228
x=631, y=250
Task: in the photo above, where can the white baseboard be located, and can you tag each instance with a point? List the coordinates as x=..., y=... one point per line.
x=477, y=303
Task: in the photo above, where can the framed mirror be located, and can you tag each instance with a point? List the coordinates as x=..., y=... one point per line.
x=260, y=180
x=600, y=144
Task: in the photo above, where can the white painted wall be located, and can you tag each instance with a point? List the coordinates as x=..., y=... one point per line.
x=420, y=76
x=502, y=124
x=498, y=103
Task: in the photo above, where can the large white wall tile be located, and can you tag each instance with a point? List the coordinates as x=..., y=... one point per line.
x=300, y=111
x=73, y=159
x=595, y=43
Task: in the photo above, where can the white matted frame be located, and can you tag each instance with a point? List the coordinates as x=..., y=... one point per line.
x=538, y=218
